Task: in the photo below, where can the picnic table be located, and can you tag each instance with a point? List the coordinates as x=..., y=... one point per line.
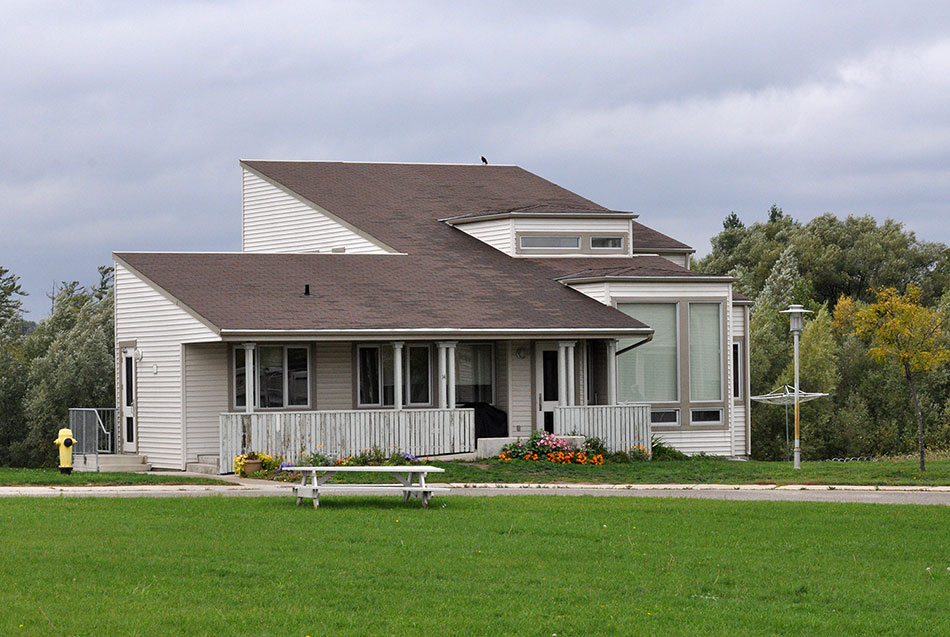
x=412, y=481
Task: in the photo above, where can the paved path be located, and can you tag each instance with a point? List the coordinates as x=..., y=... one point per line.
x=795, y=493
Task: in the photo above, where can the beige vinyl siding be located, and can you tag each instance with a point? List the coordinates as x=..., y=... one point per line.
x=713, y=443
x=206, y=397
x=276, y=221
x=597, y=291
x=563, y=226
x=495, y=232
x=334, y=376
x=159, y=327
x=520, y=395
x=678, y=258
x=739, y=429
x=738, y=321
x=645, y=290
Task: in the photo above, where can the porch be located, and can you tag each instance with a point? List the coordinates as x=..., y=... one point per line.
x=420, y=432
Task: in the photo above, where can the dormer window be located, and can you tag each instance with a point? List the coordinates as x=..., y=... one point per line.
x=548, y=242
x=606, y=243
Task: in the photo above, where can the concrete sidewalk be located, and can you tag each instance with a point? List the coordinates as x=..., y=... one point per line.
x=240, y=487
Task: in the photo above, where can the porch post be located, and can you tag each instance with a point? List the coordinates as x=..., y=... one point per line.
x=441, y=383
x=561, y=373
x=397, y=375
x=249, y=376
x=450, y=364
x=612, y=372
x=570, y=373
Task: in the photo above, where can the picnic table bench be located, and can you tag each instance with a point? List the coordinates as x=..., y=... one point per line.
x=412, y=481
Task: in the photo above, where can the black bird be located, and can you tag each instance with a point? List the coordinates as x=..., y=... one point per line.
x=484, y=161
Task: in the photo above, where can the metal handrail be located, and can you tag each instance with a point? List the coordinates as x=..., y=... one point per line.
x=91, y=431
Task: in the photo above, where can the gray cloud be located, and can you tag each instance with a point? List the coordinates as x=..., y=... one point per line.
x=124, y=122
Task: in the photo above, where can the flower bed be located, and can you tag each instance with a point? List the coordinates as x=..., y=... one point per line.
x=546, y=447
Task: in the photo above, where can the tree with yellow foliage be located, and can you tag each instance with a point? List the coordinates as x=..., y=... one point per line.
x=900, y=329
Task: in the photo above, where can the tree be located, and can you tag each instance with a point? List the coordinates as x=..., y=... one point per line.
x=73, y=367
x=10, y=305
x=901, y=330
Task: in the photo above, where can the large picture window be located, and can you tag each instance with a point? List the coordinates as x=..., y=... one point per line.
x=377, y=378
x=705, y=352
x=649, y=373
x=283, y=376
x=473, y=373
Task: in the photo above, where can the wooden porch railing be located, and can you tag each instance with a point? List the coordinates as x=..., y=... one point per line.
x=621, y=427
x=421, y=432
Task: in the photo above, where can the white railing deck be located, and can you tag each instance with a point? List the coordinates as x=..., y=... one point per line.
x=621, y=427
x=421, y=432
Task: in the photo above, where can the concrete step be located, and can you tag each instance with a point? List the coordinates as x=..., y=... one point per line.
x=113, y=463
x=203, y=467
x=208, y=458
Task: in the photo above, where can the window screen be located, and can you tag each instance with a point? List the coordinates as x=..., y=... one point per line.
x=649, y=372
x=550, y=242
x=473, y=373
x=705, y=356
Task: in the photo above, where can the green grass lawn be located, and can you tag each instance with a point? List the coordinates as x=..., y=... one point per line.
x=694, y=470
x=10, y=477
x=477, y=566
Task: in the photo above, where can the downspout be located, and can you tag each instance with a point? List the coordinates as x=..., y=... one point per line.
x=635, y=345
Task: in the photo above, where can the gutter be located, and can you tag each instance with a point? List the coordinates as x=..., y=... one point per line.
x=445, y=333
x=568, y=280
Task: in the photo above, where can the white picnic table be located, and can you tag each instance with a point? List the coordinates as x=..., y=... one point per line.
x=412, y=481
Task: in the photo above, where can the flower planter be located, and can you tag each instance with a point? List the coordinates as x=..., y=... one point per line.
x=252, y=466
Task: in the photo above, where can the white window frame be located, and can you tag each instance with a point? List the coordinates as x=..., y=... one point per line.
x=674, y=410
x=737, y=379
x=239, y=351
x=693, y=411
x=522, y=246
x=594, y=238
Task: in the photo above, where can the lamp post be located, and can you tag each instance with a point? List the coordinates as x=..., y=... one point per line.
x=795, y=314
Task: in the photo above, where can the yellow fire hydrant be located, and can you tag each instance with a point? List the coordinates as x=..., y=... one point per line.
x=65, y=443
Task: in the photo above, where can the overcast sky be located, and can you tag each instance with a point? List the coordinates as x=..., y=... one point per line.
x=123, y=123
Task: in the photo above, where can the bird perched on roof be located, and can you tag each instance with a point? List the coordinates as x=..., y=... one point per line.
x=484, y=161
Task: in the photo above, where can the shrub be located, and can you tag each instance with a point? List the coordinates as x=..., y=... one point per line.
x=315, y=459
x=638, y=453
x=662, y=451
x=619, y=457
x=593, y=446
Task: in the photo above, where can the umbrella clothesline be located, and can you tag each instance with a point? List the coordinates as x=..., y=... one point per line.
x=785, y=395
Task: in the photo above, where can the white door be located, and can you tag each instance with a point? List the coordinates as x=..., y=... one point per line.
x=546, y=384
x=129, y=433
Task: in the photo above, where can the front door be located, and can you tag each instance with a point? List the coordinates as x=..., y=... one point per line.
x=129, y=434
x=546, y=370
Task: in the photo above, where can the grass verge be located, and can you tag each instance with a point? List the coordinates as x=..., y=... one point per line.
x=514, y=565
x=14, y=477
x=694, y=470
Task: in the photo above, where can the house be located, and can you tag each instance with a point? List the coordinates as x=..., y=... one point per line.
x=422, y=307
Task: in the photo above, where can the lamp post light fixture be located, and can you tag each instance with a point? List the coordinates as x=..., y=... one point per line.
x=795, y=315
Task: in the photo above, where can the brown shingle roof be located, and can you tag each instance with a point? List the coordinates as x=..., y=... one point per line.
x=645, y=238
x=401, y=204
x=639, y=266
x=245, y=291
